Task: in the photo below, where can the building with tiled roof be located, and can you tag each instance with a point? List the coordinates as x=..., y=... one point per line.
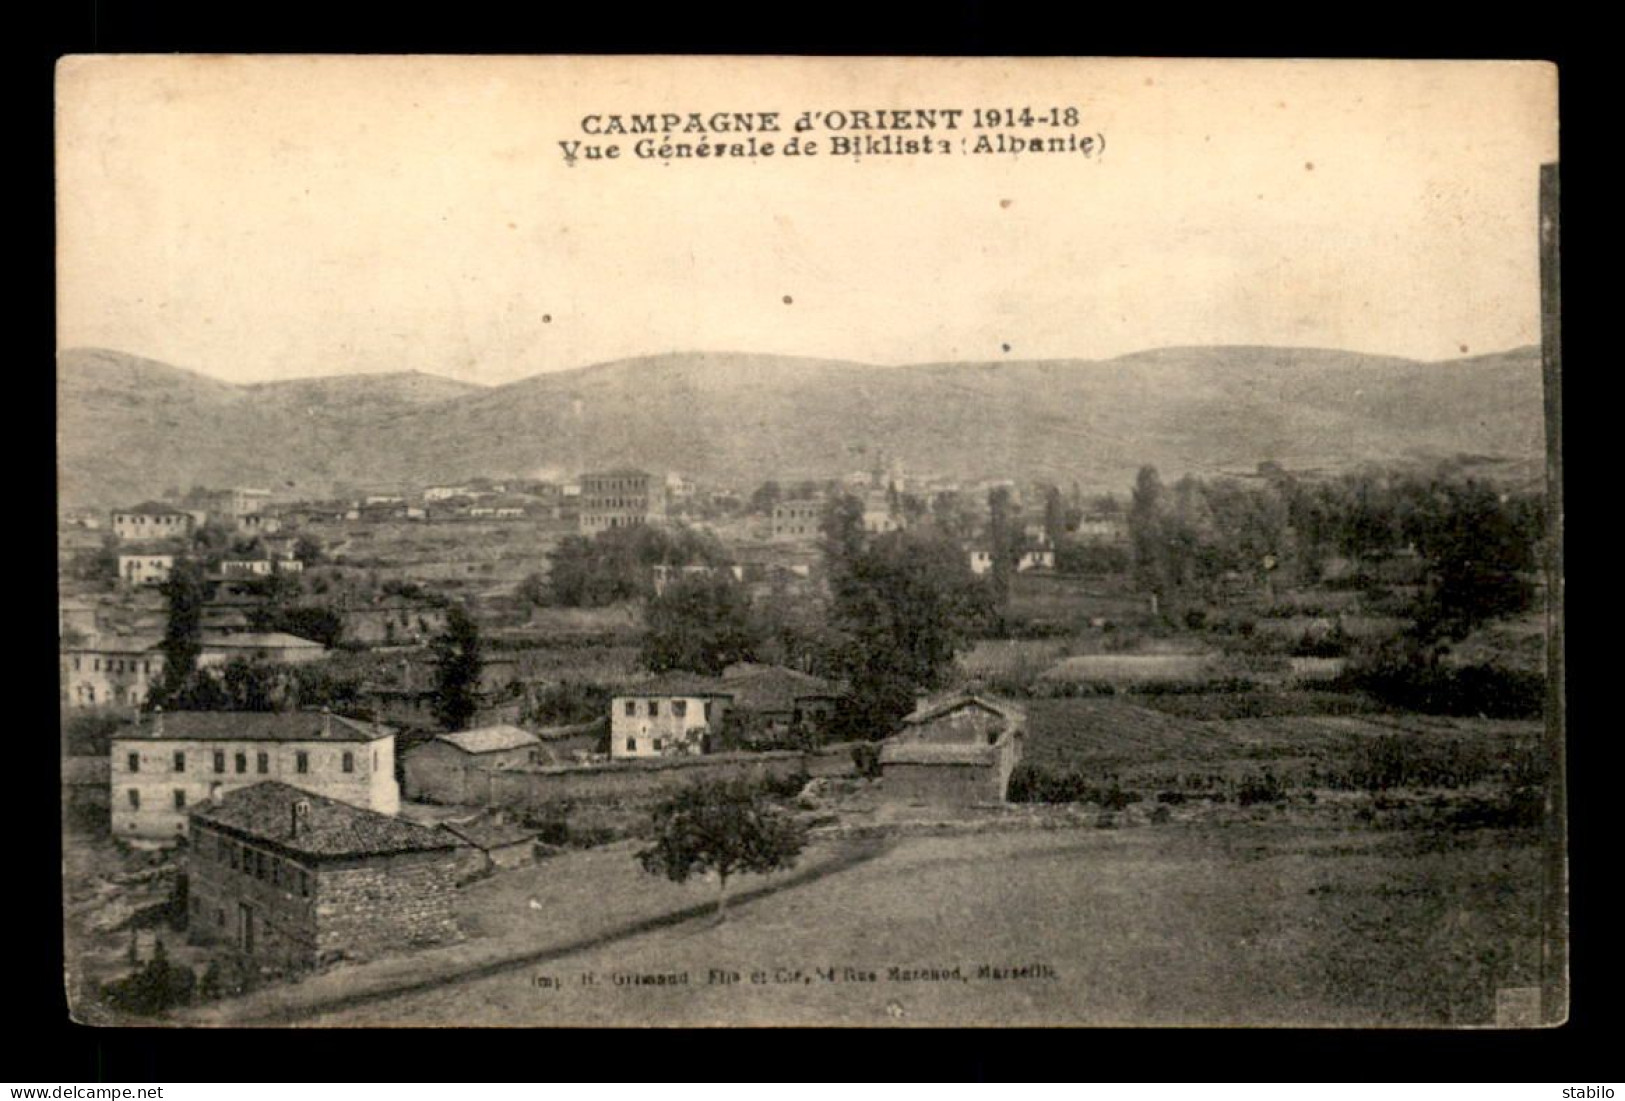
x=109, y=670
x=275, y=647
x=165, y=764
x=956, y=749
x=290, y=877
x=670, y=715
x=450, y=768
x=780, y=697
x=152, y=520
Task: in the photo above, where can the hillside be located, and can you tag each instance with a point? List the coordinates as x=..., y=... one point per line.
x=129, y=427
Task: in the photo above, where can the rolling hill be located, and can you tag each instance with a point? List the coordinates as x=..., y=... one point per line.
x=129, y=428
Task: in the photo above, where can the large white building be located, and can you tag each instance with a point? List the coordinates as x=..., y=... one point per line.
x=664, y=717
x=166, y=764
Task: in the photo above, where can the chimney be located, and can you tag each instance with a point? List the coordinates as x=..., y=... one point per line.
x=158, y=721
x=327, y=722
x=301, y=818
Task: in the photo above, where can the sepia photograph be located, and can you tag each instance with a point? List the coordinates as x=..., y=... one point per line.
x=704, y=542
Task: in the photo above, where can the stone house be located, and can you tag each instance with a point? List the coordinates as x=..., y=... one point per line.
x=162, y=768
x=292, y=878
x=778, y=699
x=666, y=716
x=493, y=842
x=448, y=769
x=955, y=751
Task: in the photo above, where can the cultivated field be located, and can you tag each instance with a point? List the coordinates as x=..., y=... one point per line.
x=1267, y=924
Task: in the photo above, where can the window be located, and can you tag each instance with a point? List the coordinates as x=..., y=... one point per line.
x=259, y=864
x=134, y=761
x=180, y=761
x=276, y=873
x=236, y=857
x=631, y=707
x=262, y=763
x=96, y=665
x=220, y=917
x=631, y=747
x=180, y=799
x=220, y=760
x=304, y=883
x=658, y=743
x=135, y=799
x=349, y=761
x=679, y=708
x=301, y=761
x=654, y=708
x=242, y=763
x=76, y=665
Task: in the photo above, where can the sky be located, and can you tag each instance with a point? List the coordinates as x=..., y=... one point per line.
x=260, y=218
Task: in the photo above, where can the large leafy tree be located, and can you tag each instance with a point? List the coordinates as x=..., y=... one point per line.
x=701, y=623
x=728, y=827
x=457, y=654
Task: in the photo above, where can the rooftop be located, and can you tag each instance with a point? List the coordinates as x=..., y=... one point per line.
x=255, y=726
x=489, y=739
x=676, y=684
x=935, y=707
x=927, y=753
x=487, y=833
x=267, y=640
x=265, y=812
x=151, y=508
x=773, y=687
x=117, y=644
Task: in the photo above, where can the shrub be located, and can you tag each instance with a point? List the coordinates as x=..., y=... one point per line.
x=1264, y=787
x=866, y=758
x=157, y=986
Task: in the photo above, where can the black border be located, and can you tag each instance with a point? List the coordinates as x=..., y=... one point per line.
x=47, y=1048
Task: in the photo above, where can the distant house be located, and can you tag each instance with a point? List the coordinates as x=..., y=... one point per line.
x=167, y=764
x=393, y=619
x=289, y=877
x=111, y=670
x=1035, y=560
x=448, y=768
x=447, y=492
x=779, y=698
x=259, y=567
x=137, y=570
x=234, y=504
x=152, y=520
x=956, y=751
x=878, y=518
x=666, y=716
x=981, y=561
x=1101, y=528
x=258, y=523
x=621, y=498
x=274, y=647
x=798, y=519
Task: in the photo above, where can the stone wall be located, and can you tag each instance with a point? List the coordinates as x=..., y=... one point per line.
x=282, y=912
x=384, y=904
x=622, y=782
x=947, y=784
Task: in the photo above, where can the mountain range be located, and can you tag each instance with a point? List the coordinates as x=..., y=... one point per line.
x=131, y=428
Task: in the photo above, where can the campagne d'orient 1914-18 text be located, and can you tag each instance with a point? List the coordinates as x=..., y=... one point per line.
x=668, y=136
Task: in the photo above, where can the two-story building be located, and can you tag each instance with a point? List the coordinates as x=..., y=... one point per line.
x=621, y=498
x=110, y=671
x=797, y=520
x=958, y=750
x=666, y=716
x=166, y=764
x=293, y=878
x=152, y=520
x=153, y=568
x=273, y=647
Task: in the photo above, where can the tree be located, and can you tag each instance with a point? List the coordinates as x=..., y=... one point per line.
x=1001, y=530
x=702, y=624
x=728, y=827
x=457, y=670
x=307, y=550
x=1055, y=516
x=766, y=496
x=1146, y=534
x=184, y=592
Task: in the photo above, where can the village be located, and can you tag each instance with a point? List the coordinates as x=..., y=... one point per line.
x=306, y=802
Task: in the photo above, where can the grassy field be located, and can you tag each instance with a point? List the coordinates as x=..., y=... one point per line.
x=1246, y=924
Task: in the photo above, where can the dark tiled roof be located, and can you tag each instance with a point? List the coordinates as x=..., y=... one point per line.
x=675, y=684
x=264, y=812
x=934, y=708
x=270, y=640
x=488, y=834
x=255, y=726
x=774, y=688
